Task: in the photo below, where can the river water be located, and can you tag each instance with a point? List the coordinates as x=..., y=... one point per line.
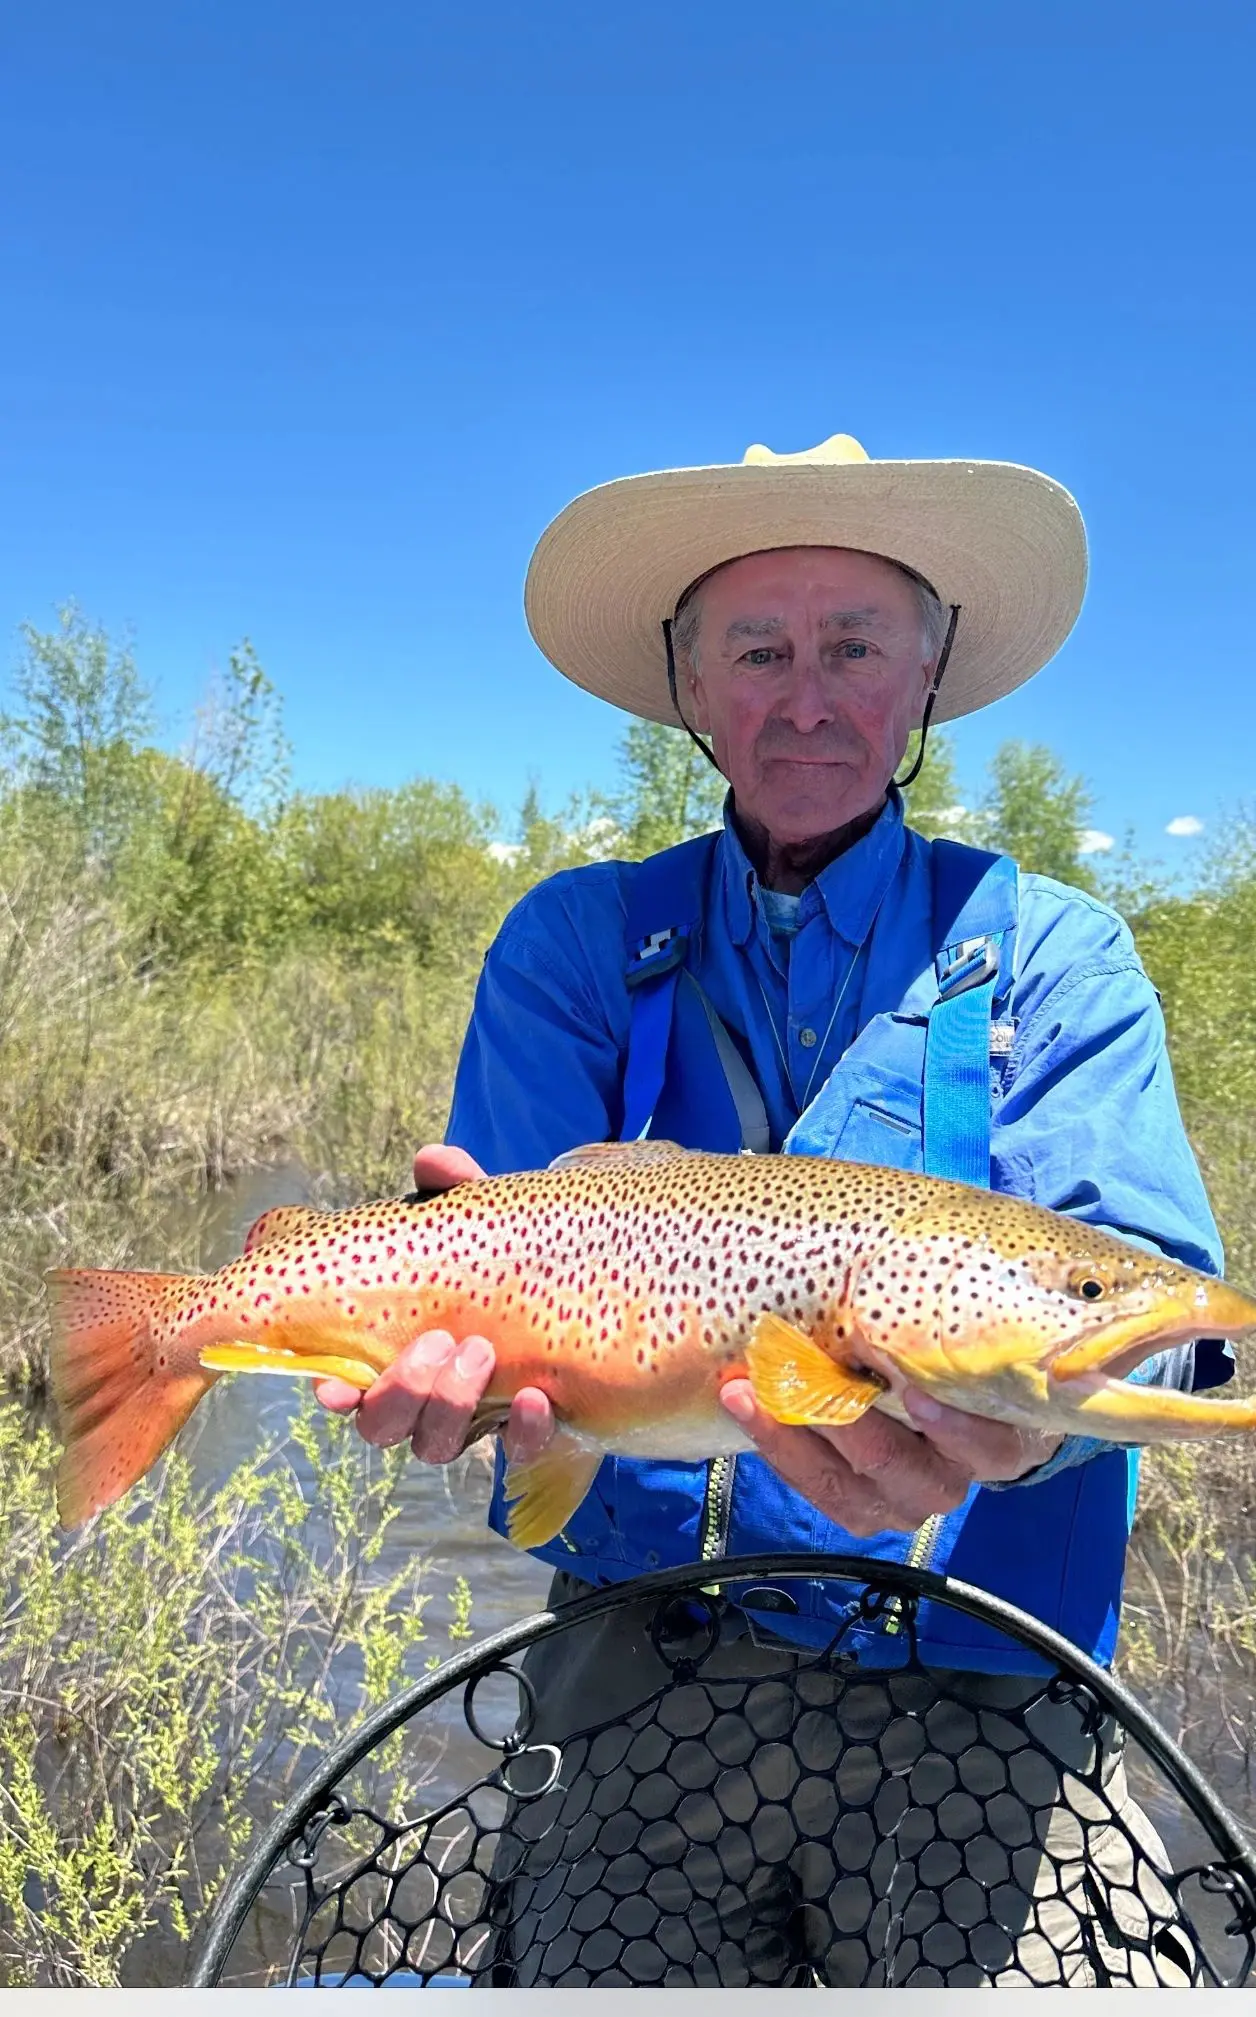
x=441, y=1519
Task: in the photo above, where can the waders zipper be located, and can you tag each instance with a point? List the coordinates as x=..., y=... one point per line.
x=716, y=1508
x=923, y=1543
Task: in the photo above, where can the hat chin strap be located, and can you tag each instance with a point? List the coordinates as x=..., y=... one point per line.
x=900, y=783
x=693, y=735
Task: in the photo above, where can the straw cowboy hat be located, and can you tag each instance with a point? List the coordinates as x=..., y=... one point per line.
x=1004, y=544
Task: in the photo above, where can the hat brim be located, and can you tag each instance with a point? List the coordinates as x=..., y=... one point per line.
x=1005, y=543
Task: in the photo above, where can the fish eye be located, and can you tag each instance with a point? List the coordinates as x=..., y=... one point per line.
x=1089, y=1287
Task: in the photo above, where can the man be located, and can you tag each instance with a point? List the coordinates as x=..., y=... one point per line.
x=808, y=613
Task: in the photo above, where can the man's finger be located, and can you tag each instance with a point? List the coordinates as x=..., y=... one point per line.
x=390, y=1410
x=809, y=1463
x=458, y=1385
x=994, y=1451
x=530, y=1426
x=337, y=1395
x=438, y=1166
x=905, y=1468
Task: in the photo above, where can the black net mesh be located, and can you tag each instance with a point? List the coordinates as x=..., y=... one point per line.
x=753, y=1816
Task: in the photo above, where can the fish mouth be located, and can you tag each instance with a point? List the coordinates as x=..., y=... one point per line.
x=1213, y=1309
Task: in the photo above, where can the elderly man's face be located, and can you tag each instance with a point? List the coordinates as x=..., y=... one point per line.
x=809, y=671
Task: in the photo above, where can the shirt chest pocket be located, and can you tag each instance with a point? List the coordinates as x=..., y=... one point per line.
x=876, y=1131
x=870, y=1109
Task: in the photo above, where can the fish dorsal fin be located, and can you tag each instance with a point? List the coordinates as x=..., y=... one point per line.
x=619, y=1154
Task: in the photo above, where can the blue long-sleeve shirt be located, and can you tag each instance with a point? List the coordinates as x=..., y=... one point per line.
x=1085, y=1118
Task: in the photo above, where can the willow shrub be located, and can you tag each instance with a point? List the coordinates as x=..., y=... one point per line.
x=167, y=1675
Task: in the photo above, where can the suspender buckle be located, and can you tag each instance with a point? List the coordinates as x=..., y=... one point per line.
x=657, y=954
x=968, y=965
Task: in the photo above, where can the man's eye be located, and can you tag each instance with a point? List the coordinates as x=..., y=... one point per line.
x=854, y=649
x=761, y=655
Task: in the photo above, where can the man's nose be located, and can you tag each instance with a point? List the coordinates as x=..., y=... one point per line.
x=807, y=702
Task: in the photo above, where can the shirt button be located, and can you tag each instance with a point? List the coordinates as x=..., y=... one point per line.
x=807, y=1038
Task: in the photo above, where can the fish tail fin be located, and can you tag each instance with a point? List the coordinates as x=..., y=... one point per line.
x=120, y=1399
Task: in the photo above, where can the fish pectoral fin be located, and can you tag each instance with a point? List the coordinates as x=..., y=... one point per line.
x=542, y=1495
x=1125, y=1413
x=608, y=1154
x=250, y=1358
x=797, y=1381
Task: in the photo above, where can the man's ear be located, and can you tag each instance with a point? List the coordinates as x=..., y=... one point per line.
x=693, y=696
x=927, y=672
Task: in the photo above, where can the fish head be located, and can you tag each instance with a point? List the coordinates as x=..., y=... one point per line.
x=1021, y=1288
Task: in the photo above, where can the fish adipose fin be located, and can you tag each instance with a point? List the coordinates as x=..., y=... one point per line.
x=796, y=1381
x=118, y=1405
x=280, y=1220
x=248, y=1358
x=543, y=1495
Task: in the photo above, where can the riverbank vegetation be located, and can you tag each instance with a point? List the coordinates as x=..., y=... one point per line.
x=204, y=970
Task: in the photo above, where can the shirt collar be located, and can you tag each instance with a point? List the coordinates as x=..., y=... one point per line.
x=850, y=889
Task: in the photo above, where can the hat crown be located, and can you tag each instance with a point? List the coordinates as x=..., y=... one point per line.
x=838, y=448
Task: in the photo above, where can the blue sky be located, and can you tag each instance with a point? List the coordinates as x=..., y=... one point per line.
x=315, y=315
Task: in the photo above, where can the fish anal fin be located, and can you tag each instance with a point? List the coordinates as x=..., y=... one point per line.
x=543, y=1494
x=613, y=1155
x=797, y=1381
x=251, y=1358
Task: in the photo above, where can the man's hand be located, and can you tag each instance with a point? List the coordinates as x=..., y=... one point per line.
x=430, y=1392
x=876, y=1474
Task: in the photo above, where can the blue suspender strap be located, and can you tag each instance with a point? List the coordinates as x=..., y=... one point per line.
x=974, y=908
x=672, y=885
x=654, y=985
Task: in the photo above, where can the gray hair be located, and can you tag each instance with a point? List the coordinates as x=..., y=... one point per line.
x=933, y=618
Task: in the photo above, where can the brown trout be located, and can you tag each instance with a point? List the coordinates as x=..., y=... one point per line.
x=629, y=1282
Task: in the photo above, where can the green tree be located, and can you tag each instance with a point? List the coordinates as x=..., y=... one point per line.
x=932, y=801
x=669, y=790
x=72, y=743
x=405, y=868
x=239, y=745
x=1034, y=811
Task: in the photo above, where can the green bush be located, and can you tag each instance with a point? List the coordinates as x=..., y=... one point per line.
x=169, y=1673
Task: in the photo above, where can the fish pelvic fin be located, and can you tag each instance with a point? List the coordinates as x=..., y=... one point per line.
x=797, y=1381
x=252, y=1358
x=1122, y=1412
x=120, y=1401
x=542, y=1495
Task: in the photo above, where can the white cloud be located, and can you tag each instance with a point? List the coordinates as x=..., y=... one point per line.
x=1094, y=842
x=951, y=815
x=1185, y=827
x=505, y=850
